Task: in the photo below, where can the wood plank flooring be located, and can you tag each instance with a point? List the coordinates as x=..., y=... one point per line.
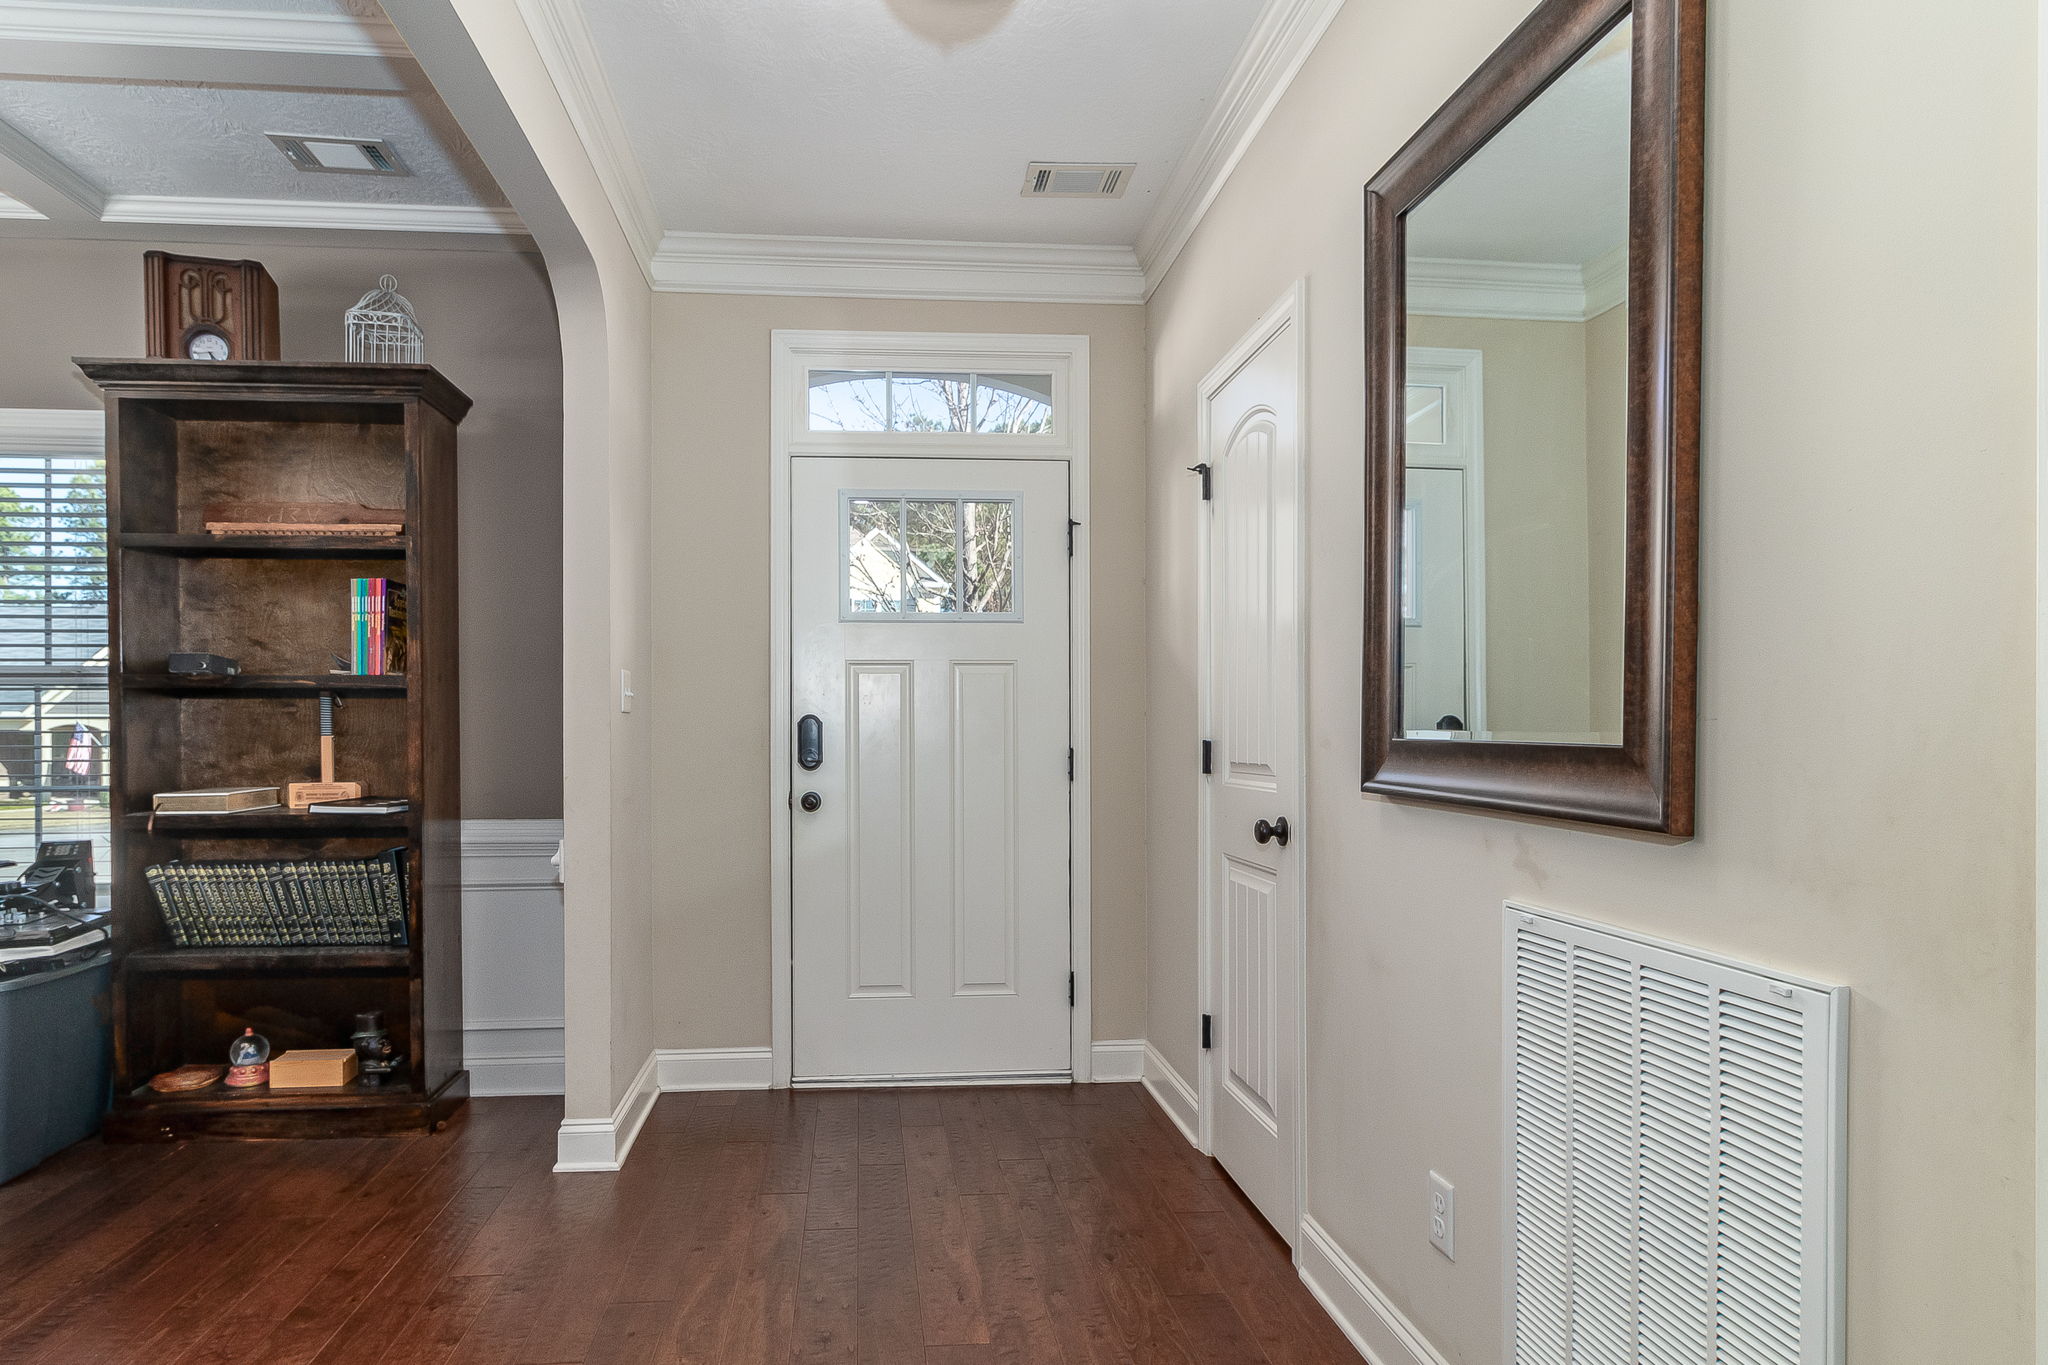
x=1069, y=1225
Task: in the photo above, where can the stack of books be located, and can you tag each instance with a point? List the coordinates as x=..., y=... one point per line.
x=315, y=902
x=376, y=626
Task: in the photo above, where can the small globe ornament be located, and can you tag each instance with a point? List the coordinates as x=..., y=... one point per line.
x=382, y=329
x=249, y=1060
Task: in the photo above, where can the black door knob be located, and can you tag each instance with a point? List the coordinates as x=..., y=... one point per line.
x=811, y=801
x=1266, y=833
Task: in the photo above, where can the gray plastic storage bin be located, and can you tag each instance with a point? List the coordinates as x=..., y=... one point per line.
x=54, y=1042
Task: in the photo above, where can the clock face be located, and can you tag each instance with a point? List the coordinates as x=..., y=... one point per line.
x=204, y=345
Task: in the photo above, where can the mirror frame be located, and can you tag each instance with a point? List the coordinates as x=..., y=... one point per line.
x=1646, y=782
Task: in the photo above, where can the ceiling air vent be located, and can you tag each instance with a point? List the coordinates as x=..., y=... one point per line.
x=1076, y=180
x=340, y=155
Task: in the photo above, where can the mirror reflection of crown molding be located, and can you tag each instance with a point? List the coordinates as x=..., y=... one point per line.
x=1531, y=291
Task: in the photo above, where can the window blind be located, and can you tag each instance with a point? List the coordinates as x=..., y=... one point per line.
x=53, y=653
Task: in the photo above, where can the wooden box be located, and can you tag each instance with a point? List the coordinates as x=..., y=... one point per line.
x=313, y=1068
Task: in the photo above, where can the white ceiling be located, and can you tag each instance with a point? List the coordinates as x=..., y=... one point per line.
x=1552, y=186
x=176, y=138
x=909, y=118
x=852, y=147
x=137, y=118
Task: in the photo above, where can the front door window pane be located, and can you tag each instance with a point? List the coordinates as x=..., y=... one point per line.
x=925, y=557
x=932, y=533
x=988, y=556
x=874, y=556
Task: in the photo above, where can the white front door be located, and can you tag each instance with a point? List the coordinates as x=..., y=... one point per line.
x=1254, y=690
x=929, y=849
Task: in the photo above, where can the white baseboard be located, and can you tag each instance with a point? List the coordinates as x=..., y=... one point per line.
x=1174, y=1095
x=715, y=1068
x=602, y=1144
x=1380, y=1331
x=1117, y=1059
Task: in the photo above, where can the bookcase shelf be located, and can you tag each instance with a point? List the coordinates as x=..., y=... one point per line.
x=274, y=820
x=201, y=545
x=268, y=684
x=198, y=961
x=184, y=435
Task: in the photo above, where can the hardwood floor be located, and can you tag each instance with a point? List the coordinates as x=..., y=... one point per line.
x=908, y=1227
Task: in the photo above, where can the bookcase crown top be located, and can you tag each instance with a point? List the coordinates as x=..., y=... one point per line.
x=283, y=379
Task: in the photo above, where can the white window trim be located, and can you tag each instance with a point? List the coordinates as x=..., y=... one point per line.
x=794, y=354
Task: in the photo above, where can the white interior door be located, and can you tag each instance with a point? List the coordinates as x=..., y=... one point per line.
x=1254, y=690
x=929, y=845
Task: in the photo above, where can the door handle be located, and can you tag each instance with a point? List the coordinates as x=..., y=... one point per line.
x=810, y=743
x=1266, y=833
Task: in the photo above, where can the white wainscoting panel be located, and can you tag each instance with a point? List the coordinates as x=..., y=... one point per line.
x=512, y=957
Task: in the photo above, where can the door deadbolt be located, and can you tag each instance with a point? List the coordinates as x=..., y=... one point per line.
x=810, y=801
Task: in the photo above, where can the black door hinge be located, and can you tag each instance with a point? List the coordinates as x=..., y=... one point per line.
x=1207, y=1041
x=1070, y=765
x=1070, y=990
x=1203, y=470
x=1072, y=526
x=1206, y=747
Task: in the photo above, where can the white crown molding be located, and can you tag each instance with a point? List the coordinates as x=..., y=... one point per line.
x=53, y=431
x=1287, y=31
x=325, y=35
x=291, y=213
x=890, y=268
x=1522, y=290
x=567, y=49
x=1606, y=281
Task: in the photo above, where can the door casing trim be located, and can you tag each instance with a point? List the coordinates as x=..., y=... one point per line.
x=794, y=352
x=1289, y=313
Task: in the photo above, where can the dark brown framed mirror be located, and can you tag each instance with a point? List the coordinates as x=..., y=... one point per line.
x=1532, y=316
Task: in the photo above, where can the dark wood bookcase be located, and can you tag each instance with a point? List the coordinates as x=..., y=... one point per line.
x=180, y=435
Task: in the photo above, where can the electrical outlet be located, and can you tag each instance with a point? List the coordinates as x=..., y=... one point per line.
x=1443, y=1208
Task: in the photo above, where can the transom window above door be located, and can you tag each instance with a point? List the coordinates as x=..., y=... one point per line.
x=961, y=403
x=925, y=556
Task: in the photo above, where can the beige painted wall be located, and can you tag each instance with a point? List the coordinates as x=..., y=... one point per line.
x=1865, y=793
x=1538, y=622
x=1606, y=509
x=711, y=687
x=490, y=323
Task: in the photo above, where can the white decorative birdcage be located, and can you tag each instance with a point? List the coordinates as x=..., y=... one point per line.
x=382, y=329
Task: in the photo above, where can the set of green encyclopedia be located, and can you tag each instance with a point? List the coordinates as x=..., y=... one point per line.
x=326, y=902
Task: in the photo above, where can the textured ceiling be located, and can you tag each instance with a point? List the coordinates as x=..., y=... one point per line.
x=362, y=8
x=208, y=141
x=1551, y=187
x=909, y=118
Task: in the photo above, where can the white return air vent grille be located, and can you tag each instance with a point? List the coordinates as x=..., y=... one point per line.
x=1076, y=180
x=340, y=155
x=1675, y=1164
